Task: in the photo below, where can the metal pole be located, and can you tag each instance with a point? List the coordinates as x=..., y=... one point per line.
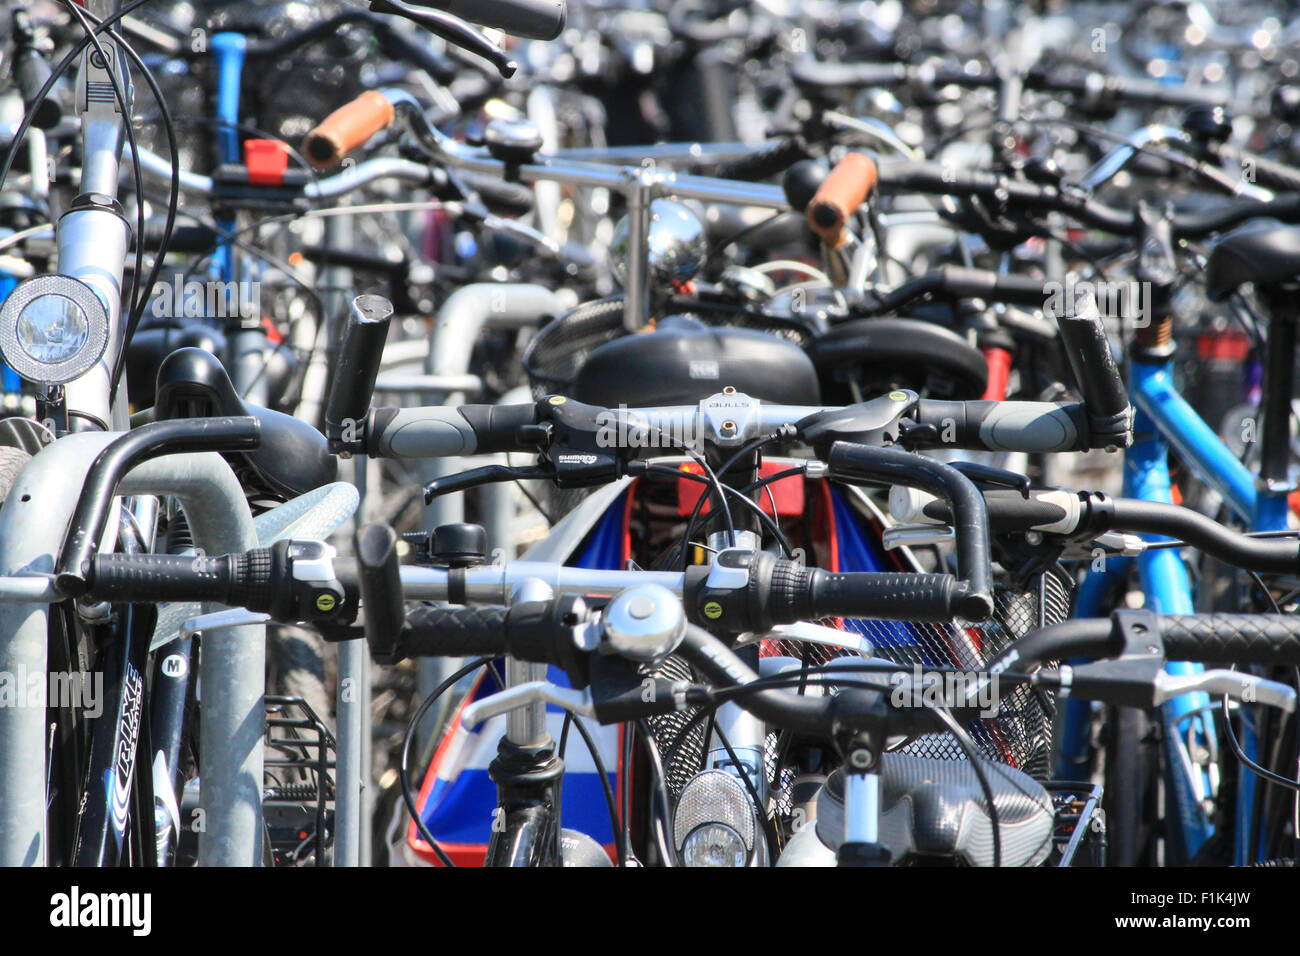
x=636, y=286
x=456, y=328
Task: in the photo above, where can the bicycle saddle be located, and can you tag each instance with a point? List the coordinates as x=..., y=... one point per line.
x=1265, y=253
x=293, y=457
x=906, y=351
x=934, y=810
x=149, y=346
x=683, y=360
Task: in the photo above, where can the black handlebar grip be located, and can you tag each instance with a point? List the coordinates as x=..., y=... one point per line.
x=380, y=584
x=441, y=631
x=1235, y=638
x=240, y=580
x=184, y=238
x=534, y=19
x=1105, y=397
x=1009, y=510
x=1261, y=170
x=1087, y=347
x=31, y=71
x=766, y=160
x=790, y=592
x=360, y=353
x=496, y=427
x=446, y=431
x=888, y=595
x=30, y=74
x=355, y=259
x=503, y=198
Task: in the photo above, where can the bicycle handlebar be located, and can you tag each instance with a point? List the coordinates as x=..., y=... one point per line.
x=1097, y=89
x=533, y=19
x=347, y=128
x=1092, y=514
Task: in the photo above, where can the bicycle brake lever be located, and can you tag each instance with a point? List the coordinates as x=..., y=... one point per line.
x=997, y=477
x=222, y=620
x=811, y=633
x=481, y=476
x=452, y=29
x=1238, y=685
x=522, y=695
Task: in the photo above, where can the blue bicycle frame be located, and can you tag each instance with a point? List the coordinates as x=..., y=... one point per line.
x=228, y=50
x=1165, y=419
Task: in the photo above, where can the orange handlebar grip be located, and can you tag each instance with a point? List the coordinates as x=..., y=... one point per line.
x=347, y=128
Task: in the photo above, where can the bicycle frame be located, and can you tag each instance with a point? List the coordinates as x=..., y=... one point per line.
x=1164, y=419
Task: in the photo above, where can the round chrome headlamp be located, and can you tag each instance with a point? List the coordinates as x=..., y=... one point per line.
x=714, y=844
x=53, y=329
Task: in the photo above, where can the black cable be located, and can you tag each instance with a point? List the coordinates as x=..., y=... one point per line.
x=764, y=821
x=55, y=73
x=599, y=764
x=667, y=844
x=716, y=482
x=679, y=740
x=532, y=499
x=1233, y=743
x=973, y=756
x=768, y=522
x=1260, y=771
x=404, y=760
x=748, y=448
x=624, y=833
x=718, y=247
x=786, y=473
x=173, y=204
x=232, y=236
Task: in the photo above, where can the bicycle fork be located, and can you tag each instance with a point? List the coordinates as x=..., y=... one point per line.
x=527, y=771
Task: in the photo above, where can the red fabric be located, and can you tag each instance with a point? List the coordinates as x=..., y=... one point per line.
x=999, y=361
x=788, y=492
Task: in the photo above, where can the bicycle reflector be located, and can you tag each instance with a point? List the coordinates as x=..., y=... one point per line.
x=53, y=329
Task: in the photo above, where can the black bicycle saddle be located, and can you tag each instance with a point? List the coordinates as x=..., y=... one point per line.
x=1262, y=252
x=907, y=352
x=293, y=457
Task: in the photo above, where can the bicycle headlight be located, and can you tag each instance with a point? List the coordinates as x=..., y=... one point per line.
x=714, y=822
x=53, y=329
x=714, y=844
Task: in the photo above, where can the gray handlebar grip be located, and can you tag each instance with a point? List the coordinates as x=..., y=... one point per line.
x=1031, y=427
x=1006, y=426
x=432, y=432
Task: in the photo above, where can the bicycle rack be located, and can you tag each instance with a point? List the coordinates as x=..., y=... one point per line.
x=299, y=815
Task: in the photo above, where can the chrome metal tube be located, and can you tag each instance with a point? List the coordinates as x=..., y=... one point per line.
x=92, y=247
x=861, y=807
